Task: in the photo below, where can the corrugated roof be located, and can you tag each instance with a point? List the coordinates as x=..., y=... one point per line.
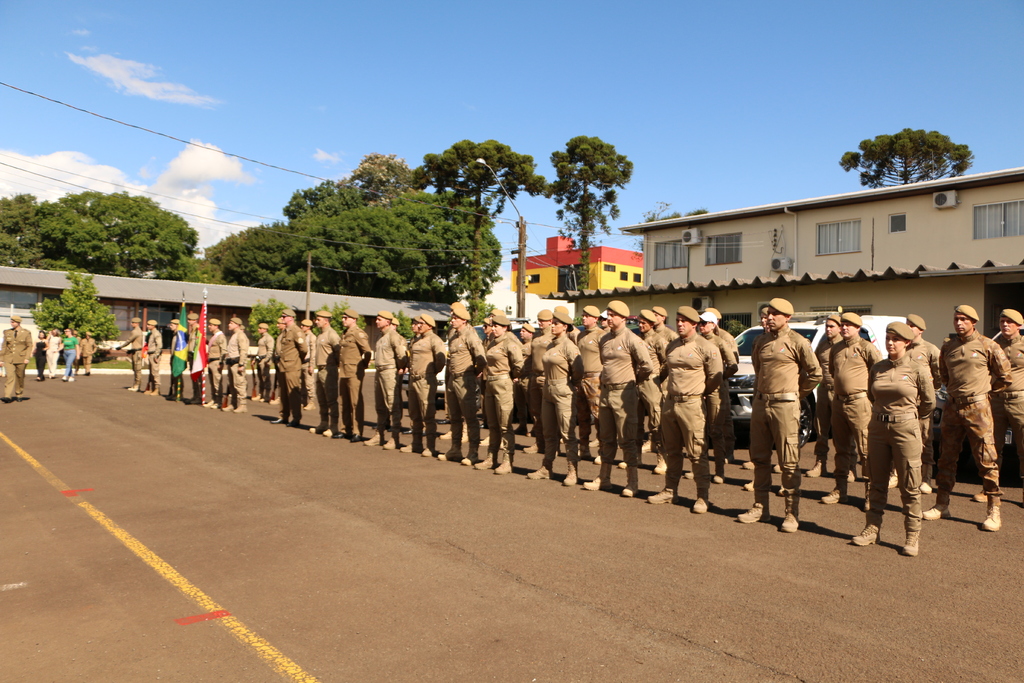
x=172, y=291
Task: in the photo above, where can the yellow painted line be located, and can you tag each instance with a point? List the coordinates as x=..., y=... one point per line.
x=267, y=652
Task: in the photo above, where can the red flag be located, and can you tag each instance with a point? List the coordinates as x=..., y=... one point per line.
x=199, y=361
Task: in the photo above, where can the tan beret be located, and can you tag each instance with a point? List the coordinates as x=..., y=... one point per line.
x=969, y=311
x=499, y=318
x=782, y=306
x=214, y=321
x=851, y=319
x=648, y=315
x=151, y=322
x=901, y=330
x=563, y=317
x=263, y=326
x=236, y=320
x=545, y=315
x=529, y=328
x=619, y=308
x=459, y=311
x=718, y=314
x=917, y=321
x=660, y=310
x=136, y=320
x=1012, y=315
x=306, y=323
x=388, y=315
x=288, y=312
x=561, y=309
x=193, y=316
x=689, y=313
x=350, y=313
x=427, y=319
x=324, y=314
x=836, y=318
x=15, y=318
x=592, y=311
x=173, y=322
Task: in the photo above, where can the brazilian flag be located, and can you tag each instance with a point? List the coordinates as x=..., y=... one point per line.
x=179, y=353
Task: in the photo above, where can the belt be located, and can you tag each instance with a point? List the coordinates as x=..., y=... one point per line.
x=895, y=417
x=321, y=367
x=967, y=400
x=851, y=397
x=385, y=367
x=592, y=374
x=557, y=382
x=788, y=396
x=617, y=385
x=416, y=378
x=1008, y=395
x=683, y=398
x=493, y=377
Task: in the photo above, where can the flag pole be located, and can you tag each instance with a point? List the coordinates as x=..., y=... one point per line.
x=204, y=340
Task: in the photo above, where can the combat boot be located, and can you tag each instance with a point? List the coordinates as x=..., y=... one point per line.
x=816, y=471
x=393, y=445
x=838, y=494
x=472, y=458
x=373, y=440
x=688, y=474
x=415, y=447
x=661, y=467
x=868, y=536
x=603, y=481
x=758, y=513
x=632, y=482
x=701, y=504
x=910, y=545
x=894, y=481
x=719, y=477
x=447, y=436
x=992, y=522
x=452, y=455
x=506, y=465
x=980, y=497
x=926, y=478
x=792, y=522
x=532, y=449
x=544, y=471
x=485, y=464
x=666, y=495
x=941, y=508
x=571, y=476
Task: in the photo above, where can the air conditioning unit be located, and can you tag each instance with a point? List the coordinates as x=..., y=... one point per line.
x=945, y=200
x=782, y=264
x=692, y=236
x=701, y=302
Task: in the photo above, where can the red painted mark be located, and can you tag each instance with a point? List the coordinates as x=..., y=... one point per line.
x=74, y=492
x=185, y=621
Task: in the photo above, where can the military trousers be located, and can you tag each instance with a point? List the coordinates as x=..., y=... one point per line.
x=850, y=418
x=387, y=394
x=196, y=379
x=289, y=390
x=973, y=421
x=350, y=392
x=214, y=381
x=264, y=384
x=823, y=397
x=559, y=414
x=683, y=427
x=327, y=398
x=521, y=404
x=308, y=384
x=588, y=404
x=154, y=371
x=498, y=403
x=137, y=369
x=775, y=424
x=236, y=390
x=535, y=396
x=617, y=422
x=1008, y=413
x=718, y=417
x=422, y=406
x=895, y=445
x=461, y=395
x=650, y=406
x=84, y=360
x=15, y=384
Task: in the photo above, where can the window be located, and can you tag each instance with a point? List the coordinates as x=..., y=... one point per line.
x=568, y=278
x=609, y=267
x=637, y=277
x=998, y=220
x=838, y=238
x=670, y=255
x=22, y=301
x=624, y=276
x=533, y=278
x=723, y=249
x=898, y=222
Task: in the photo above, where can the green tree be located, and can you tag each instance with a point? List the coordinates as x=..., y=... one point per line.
x=20, y=245
x=337, y=311
x=381, y=178
x=457, y=174
x=78, y=308
x=268, y=313
x=588, y=171
x=404, y=324
x=272, y=256
x=326, y=199
x=910, y=156
x=116, y=234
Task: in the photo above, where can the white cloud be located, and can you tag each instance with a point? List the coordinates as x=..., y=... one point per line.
x=326, y=157
x=80, y=32
x=132, y=78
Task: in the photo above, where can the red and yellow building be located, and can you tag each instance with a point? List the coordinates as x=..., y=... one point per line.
x=557, y=270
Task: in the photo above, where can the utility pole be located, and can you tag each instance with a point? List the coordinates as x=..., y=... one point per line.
x=309, y=271
x=521, y=273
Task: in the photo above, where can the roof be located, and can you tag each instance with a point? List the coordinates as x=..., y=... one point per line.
x=1011, y=175
x=172, y=291
x=834, y=277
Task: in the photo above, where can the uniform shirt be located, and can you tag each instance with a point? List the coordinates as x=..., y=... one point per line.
x=216, y=346
x=849, y=360
x=1014, y=350
x=536, y=351
x=656, y=346
x=822, y=352
x=390, y=352
x=624, y=358
x=589, y=346
x=193, y=340
x=730, y=361
x=155, y=342
x=973, y=366
x=728, y=339
x=134, y=341
x=238, y=346
x=17, y=348
x=562, y=360
x=355, y=352
x=465, y=351
x=310, y=342
x=291, y=348
x=503, y=357
x=265, y=347
x=426, y=355
x=692, y=367
x=784, y=363
x=87, y=347
x=901, y=386
x=927, y=354
x=666, y=333
x=573, y=335
x=327, y=348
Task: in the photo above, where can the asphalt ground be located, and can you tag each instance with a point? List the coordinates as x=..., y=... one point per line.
x=339, y=562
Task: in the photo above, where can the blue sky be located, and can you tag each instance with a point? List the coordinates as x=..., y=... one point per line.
x=719, y=105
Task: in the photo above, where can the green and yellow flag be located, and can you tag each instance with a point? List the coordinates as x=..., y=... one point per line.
x=179, y=354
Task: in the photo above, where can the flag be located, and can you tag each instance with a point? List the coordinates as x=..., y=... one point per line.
x=199, y=361
x=179, y=345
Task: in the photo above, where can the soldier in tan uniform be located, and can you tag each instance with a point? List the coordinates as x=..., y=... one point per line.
x=824, y=395
x=426, y=359
x=650, y=390
x=519, y=386
x=661, y=328
x=729, y=429
x=588, y=397
x=134, y=345
x=692, y=373
x=291, y=354
x=194, y=339
x=538, y=345
x=717, y=406
x=14, y=356
x=465, y=363
x=850, y=359
x=625, y=362
x=504, y=358
x=563, y=372
x=927, y=354
x=216, y=347
x=390, y=359
x=327, y=358
x=235, y=357
x=1008, y=405
x=970, y=366
x=86, y=350
x=900, y=391
x=154, y=353
x=308, y=367
x=264, y=357
x=355, y=358
x=786, y=372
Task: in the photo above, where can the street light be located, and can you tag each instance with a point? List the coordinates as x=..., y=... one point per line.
x=521, y=273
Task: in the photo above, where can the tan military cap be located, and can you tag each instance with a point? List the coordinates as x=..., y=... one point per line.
x=660, y=310
x=215, y=321
x=718, y=313
x=15, y=318
x=901, y=330
x=306, y=323
x=151, y=322
x=459, y=310
x=173, y=322
x=648, y=315
x=427, y=319
x=193, y=316
x=136, y=320
x=499, y=318
x=689, y=313
x=545, y=315
x=486, y=322
x=236, y=320
x=561, y=309
x=782, y=306
x=288, y=312
x=851, y=319
x=563, y=317
x=529, y=328
x=387, y=315
x=351, y=313
x=323, y=314
x=619, y=308
x=1012, y=315
x=969, y=311
x=495, y=311
x=263, y=326
x=917, y=321
x=836, y=318
x=592, y=311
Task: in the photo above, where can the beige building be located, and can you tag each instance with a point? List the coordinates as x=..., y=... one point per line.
x=919, y=248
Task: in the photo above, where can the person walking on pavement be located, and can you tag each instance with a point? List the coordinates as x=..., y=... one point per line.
x=216, y=347
x=53, y=347
x=86, y=350
x=426, y=358
x=70, y=342
x=563, y=372
x=355, y=358
x=14, y=355
x=901, y=393
x=927, y=354
x=390, y=358
x=786, y=371
x=40, y=355
x=971, y=366
x=589, y=395
x=823, y=397
x=504, y=359
x=154, y=351
x=134, y=345
x=291, y=353
x=264, y=358
x=465, y=364
x=326, y=354
x=235, y=358
x=718, y=410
